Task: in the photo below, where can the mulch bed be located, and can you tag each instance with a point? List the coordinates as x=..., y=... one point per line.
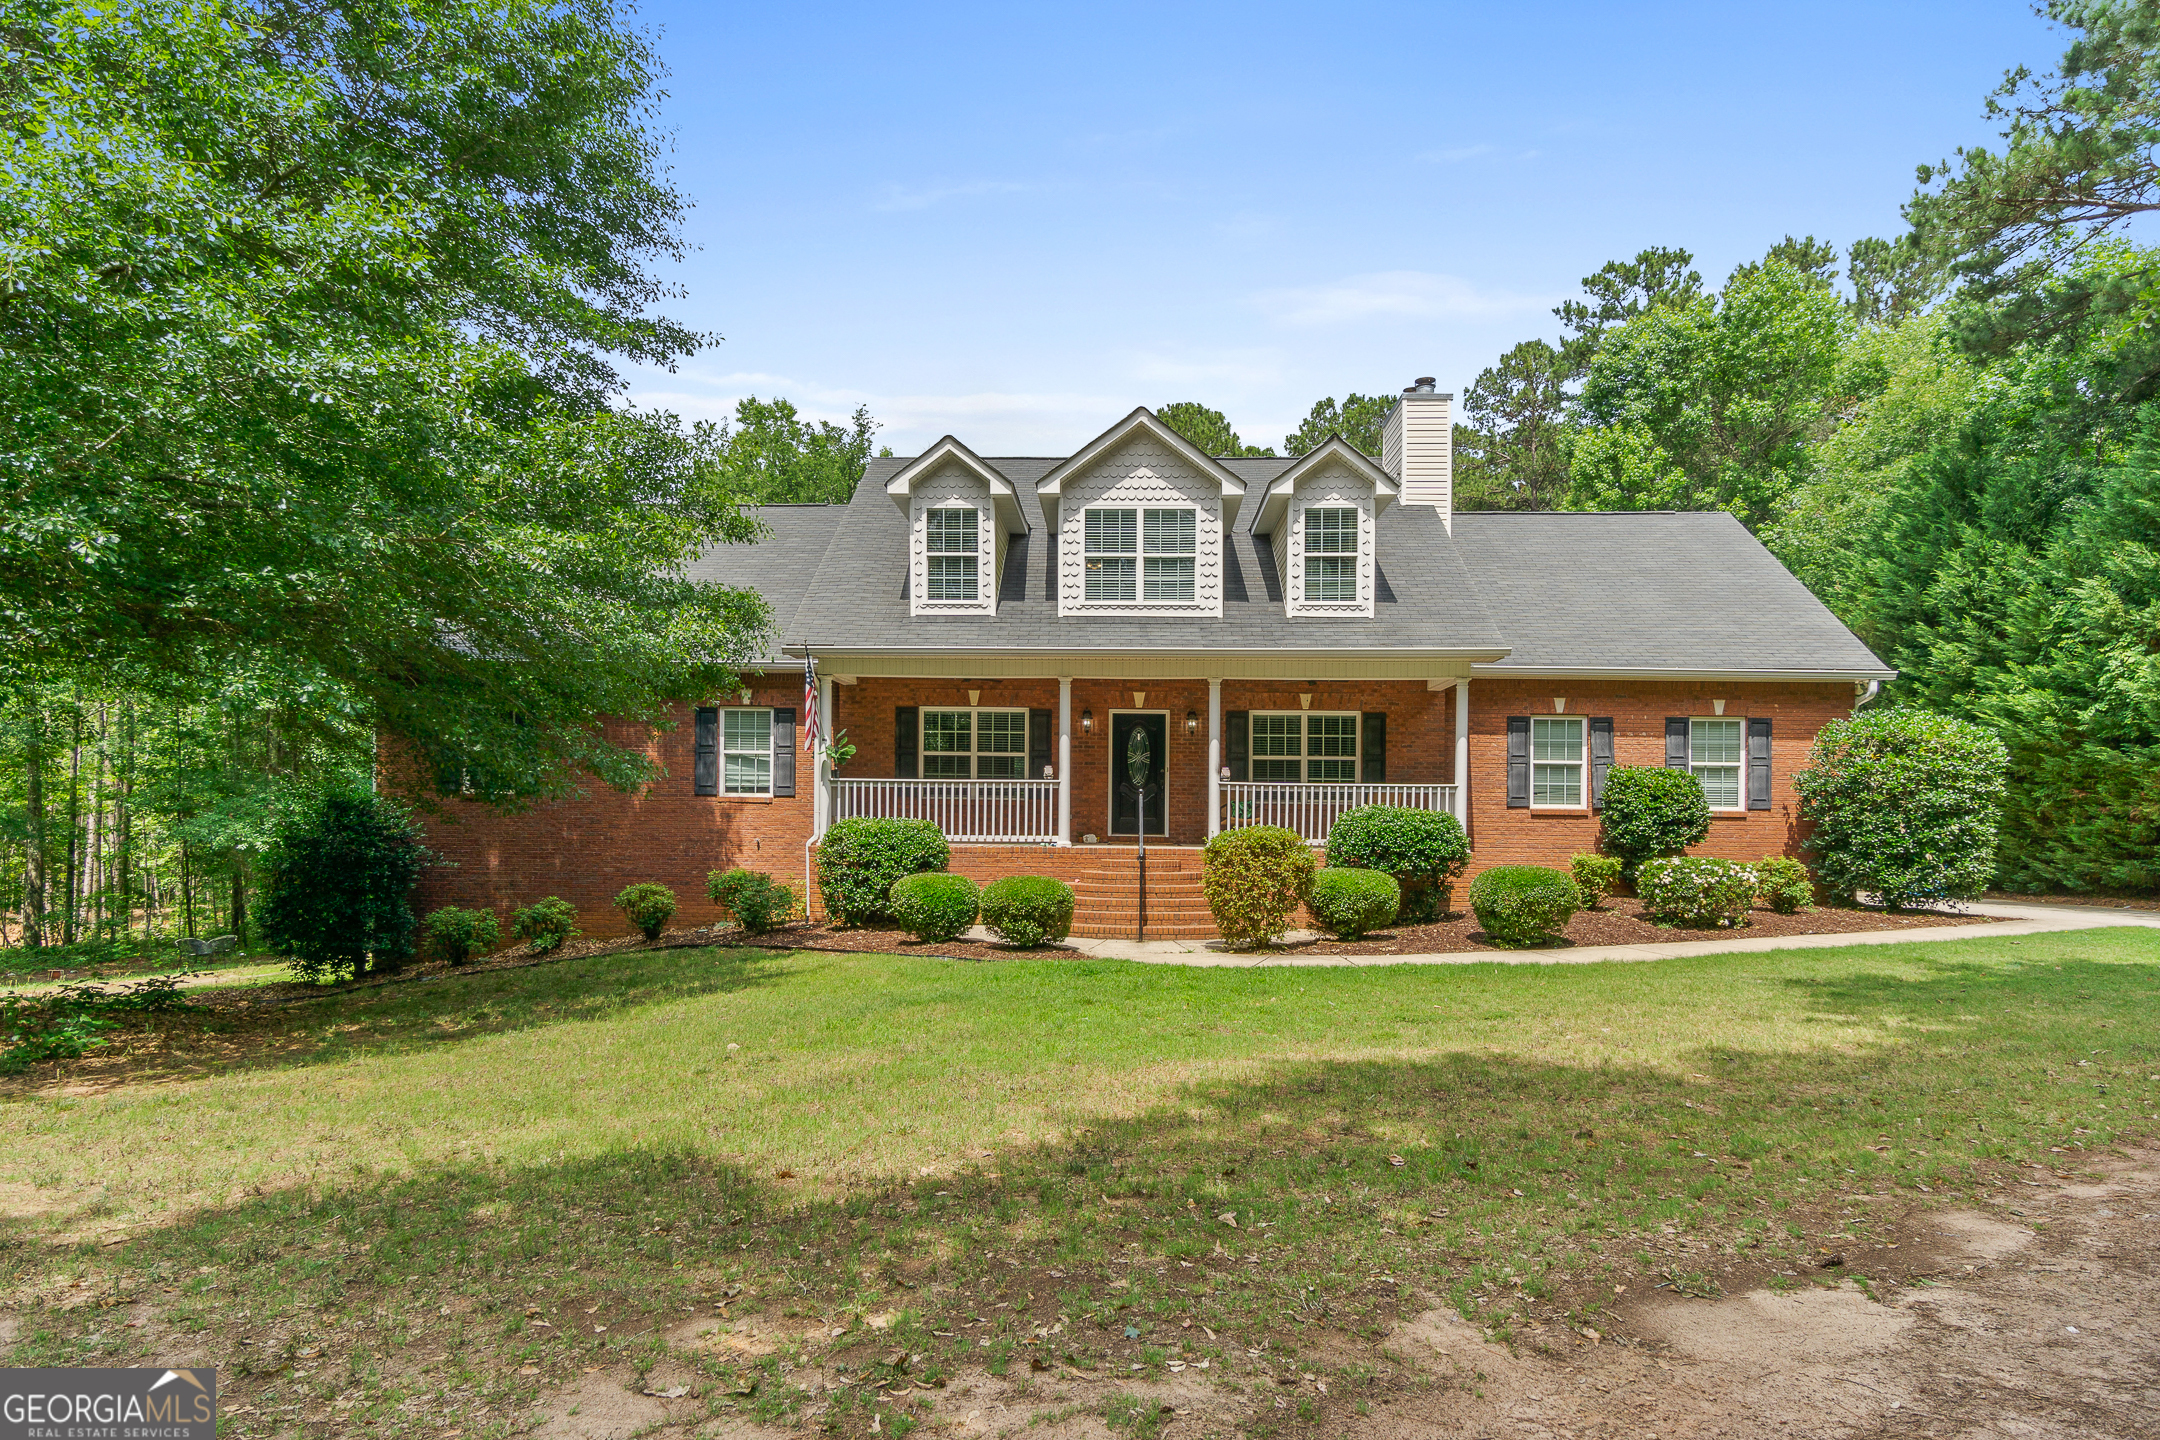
x=2103, y=900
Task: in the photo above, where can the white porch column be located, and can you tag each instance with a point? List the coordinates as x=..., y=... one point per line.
x=1064, y=760
x=821, y=807
x=1462, y=754
x=1214, y=757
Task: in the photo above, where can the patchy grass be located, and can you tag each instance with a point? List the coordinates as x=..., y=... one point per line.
x=408, y=1208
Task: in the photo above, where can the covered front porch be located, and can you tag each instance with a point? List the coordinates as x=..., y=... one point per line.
x=1036, y=760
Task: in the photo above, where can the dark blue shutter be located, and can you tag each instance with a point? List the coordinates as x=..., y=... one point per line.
x=783, y=752
x=1601, y=754
x=1372, y=744
x=1676, y=727
x=705, y=772
x=1039, y=757
x=1758, y=764
x=1518, y=762
x=1237, y=746
x=903, y=744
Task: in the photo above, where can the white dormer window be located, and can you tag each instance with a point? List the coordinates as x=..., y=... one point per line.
x=1331, y=554
x=1169, y=539
x=1140, y=516
x=1141, y=554
x=952, y=535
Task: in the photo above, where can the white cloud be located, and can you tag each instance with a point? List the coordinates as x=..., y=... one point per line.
x=1258, y=367
x=901, y=197
x=1405, y=294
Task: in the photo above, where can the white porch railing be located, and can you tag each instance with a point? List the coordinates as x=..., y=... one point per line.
x=1310, y=809
x=1014, y=812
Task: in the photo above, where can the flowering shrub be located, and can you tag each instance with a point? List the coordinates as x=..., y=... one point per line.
x=1696, y=890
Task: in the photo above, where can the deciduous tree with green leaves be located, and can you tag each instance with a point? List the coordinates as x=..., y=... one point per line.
x=775, y=457
x=1357, y=419
x=1209, y=429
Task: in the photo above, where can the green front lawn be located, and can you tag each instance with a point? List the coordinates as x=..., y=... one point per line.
x=989, y=1151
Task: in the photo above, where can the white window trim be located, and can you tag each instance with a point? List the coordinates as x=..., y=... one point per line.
x=1581, y=763
x=923, y=752
x=1140, y=554
x=1295, y=557
x=932, y=555
x=1357, y=746
x=720, y=740
x=1739, y=789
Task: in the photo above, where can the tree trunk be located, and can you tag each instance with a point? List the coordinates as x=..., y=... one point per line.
x=187, y=891
x=34, y=877
x=124, y=823
x=239, y=900
x=70, y=889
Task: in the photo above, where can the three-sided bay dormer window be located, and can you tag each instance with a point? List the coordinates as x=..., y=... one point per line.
x=1331, y=554
x=1141, y=554
x=952, y=541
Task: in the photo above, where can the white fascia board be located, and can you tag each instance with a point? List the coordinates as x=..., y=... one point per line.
x=1490, y=670
x=1233, y=489
x=1004, y=499
x=1275, y=500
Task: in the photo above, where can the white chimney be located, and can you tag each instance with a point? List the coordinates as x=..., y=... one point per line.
x=1417, y=444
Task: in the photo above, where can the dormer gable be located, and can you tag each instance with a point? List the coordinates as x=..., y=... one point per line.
x=1321, y=518
x=1140, y=515
x=961, y=513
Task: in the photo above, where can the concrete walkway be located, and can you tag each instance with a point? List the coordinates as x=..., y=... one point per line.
x=2013, y=920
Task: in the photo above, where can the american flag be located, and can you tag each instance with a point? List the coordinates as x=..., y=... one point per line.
x=811, y=733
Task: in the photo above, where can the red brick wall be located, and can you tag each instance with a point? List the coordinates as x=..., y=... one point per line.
x=1501, y=836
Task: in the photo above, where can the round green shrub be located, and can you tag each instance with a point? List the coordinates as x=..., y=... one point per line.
x=859, y=859
x=934, y=906
x=545, y=925
x=1652, y=811
x=1254, y=879
x=758, y=902
x=459, y=934
x=1597, y=876
x=1696, y=890
x=1783, y=884
x=1906, y=804
x=337, y=886
x=1028, y=909
x=648, y=908
x=1523, y=904
x=1425, y=850
x=1347, y=902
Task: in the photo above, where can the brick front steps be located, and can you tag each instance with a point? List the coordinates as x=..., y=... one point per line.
x=1106, y=896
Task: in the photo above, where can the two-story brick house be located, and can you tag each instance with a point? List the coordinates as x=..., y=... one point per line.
x=1291, y=636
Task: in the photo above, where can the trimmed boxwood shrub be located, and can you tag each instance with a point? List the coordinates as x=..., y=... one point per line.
x=1347, y=902
x=338, y=883
x=1597, y=876
x=546, y=924
x=1028, y=909
x=1783, y=884
x=859, y=859
x=1524, y=904
x=1696, y=890
x=758, y=902
x=934, y=906
x=1425, y=850
x=459, y=934
x=648, y=907
x=1650, y=811
x=1906, y=804
x=1254, y=879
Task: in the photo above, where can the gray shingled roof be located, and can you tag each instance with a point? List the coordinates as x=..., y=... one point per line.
x=1660, y=592
x=1650, y=591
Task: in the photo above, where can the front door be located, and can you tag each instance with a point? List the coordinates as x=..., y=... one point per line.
x=1124, y=805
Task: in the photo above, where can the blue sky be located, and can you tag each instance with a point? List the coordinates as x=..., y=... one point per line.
x=1015, y=222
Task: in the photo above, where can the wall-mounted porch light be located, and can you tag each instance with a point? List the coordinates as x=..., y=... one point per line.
x=1087, y=722
x=1192, y=722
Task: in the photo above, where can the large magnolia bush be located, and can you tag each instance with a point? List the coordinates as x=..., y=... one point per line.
x=1905, y=805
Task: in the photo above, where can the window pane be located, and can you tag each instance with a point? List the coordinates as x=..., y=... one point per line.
x=746, y=730
x=1170, y=579
x=1720, y=785
x=1110, y=579
x=1001, y=767
x=946, y=767
x=1003, y=732
x=1714, y=742
x=1332, y=735
x=1556, y=784
x=1113, y=532
x=1331, y=577
x=945, y=732
x=748, y=774
x=1331, y=532
x=1555, y=738
x=1275, y=769
x=952, y=532
x=1276, y=735
x=952, y=577
x=1170, y=532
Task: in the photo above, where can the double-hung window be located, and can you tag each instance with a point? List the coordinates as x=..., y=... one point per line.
x=974, y=744
x=1331, y=554
x=1140, y=554
x=746, y=752
x=1716, y=751
x=1556, y=760
x=954, y=537
x=1305, y=747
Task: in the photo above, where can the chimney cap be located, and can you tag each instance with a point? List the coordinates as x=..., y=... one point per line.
x=1423, y=386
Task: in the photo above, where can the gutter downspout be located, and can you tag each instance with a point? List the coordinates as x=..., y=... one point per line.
x=1874, y=688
